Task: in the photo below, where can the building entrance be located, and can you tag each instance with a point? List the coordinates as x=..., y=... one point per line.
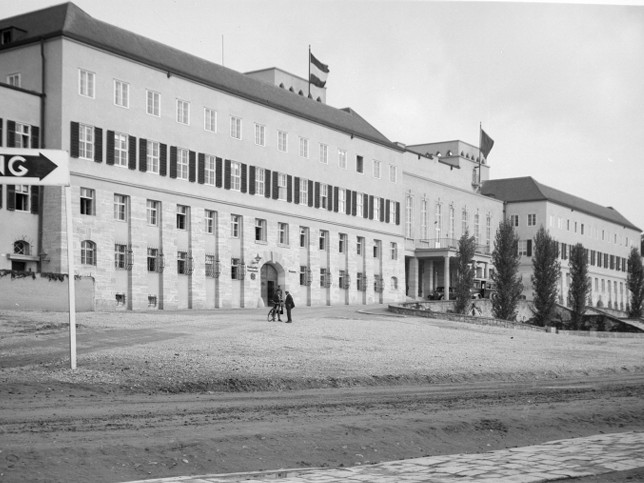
x=272, y=275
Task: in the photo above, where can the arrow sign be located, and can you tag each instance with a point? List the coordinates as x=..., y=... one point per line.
x=34, y=167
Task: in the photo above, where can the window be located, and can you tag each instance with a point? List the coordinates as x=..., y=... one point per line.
x=152, y=212
x=182, y=163
x=120, y=207
x=281, y=186
x=235, y=225
x=260, y=134
x=85, y=141
x=342, y=158
x=305, y=275
x=324, y=236
x=438, y=222
x=376, y=208
x=260, y=230
x=260, y=174
x=210, y=218
x=464, y=223
x=525, y=248
x=304, y=191
x=514, y=220
x=424, y=220
x=359, y=204
x=21, y=198
x=393, y=173
x=324, y=153
x=359, y=164
x=86, y=81
x=342, y=243
x=324, y=196
x=304, y=237
x=343, y=279
x=21, y=247
x=13, y=80
x=452, y=222
x=325, y=279
x=394, y=251
x=121, y=93
x=359, y=246
x=153, y=157
x=22, y=136
x=120, y=149
x=183, y=112
x=212, y=266
x=235, y=127
x=304, y=147
x=153, y=259
x=488, y=229
x=235, y=176
x=282, y=233
x=342, y=200
x=120, y=257
x=182, y=217
x=408, y=216
x=236, y=269
x=87, y=201
x=394, y=283
x=209, y=119
x=282, y=141
x=477, y=227
x=182, y=263
x=361, y=281
x=88, y=252
x=153, y=103
x=376, y=249
x=532, y=220
x=376, y=168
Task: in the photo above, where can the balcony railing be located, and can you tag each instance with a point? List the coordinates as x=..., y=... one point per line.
x=449, y=243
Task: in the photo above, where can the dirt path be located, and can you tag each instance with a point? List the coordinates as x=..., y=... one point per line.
x=66, y=433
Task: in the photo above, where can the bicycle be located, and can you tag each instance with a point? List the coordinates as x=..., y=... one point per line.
x=271, y=315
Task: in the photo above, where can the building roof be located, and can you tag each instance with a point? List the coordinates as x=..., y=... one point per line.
x=525, y=189
x=70, y=21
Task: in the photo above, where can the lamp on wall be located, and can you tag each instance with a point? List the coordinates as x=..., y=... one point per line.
x=257, y=259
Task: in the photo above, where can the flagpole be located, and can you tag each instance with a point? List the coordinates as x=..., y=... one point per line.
x=480, y=155
x=309, y=70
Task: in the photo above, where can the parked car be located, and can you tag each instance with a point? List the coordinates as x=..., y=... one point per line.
x=439, y=293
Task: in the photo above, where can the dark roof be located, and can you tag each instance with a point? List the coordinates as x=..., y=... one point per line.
x=516, y=190
x=70, y=21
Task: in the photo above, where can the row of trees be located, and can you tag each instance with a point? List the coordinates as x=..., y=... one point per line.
x=545, y=275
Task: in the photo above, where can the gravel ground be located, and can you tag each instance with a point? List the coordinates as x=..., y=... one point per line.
x=232, y=350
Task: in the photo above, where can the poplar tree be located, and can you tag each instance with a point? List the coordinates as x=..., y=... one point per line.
x=635, y=282
x=579, y=284
x=464, y=272
x=546, y=270
x=506, y=259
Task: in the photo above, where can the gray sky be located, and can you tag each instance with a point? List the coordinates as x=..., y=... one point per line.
x=559, y=87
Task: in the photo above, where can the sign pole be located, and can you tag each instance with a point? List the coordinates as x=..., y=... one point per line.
x=70, y=278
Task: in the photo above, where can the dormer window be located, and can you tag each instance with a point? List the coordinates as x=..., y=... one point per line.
x=10, y=35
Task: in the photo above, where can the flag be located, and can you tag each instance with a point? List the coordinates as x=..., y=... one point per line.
x=485, y=144
x=318, y=71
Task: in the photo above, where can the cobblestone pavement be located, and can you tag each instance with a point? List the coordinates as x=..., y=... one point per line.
x=555, y=460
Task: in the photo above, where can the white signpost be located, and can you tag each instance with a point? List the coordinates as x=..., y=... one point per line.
x=46, y=167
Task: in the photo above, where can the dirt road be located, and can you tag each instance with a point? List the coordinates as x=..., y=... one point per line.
x=167, y=395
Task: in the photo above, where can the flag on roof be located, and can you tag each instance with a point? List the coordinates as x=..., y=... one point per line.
x=485, y=144
x=318, y=71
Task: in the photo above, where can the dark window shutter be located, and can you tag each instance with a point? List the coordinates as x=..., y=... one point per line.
x=371, y=207
x=289, y=188
x=387, y=211
x=35, y=199
x=131, y=152
x=143, y=155
x=35, y=137
x=276, y=187
x=163, y=160
x=311, y=193
x=267, y=183
x=244, y=178
x=109, y=158
x=201, y=168
x=348, y=202
x=365, y=205
x=251, y=180
x=354, y=202
x=227, y=174
x=173, y=161
x=329, y=204
x=336, y=203
x=296, y=190
x=218, y=173
x=1, y=196
x=73, y=139
x=382, y=209
x=192, y=166
x=529, y=248
x=11, y=136
x=317, y=194
x=1, y=125
x=98, y=145
x=11, y=197
x=397, y=212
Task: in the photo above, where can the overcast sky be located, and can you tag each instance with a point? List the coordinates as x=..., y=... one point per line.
x=559, y=87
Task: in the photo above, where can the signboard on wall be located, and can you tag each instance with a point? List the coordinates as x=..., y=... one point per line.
x=41, y=167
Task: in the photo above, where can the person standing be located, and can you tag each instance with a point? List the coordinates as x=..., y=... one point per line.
x=289, y=304
x=277, y=306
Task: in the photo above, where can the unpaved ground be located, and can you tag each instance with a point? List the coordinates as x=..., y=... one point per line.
x=177, y=394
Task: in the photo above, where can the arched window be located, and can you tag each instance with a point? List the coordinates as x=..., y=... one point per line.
x=88, y=252
x=394, y=283
x=21, y=247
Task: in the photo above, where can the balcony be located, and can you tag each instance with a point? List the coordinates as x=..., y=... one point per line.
x=443, y=244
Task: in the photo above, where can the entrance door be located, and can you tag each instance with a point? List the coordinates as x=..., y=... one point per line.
x=269, y=282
